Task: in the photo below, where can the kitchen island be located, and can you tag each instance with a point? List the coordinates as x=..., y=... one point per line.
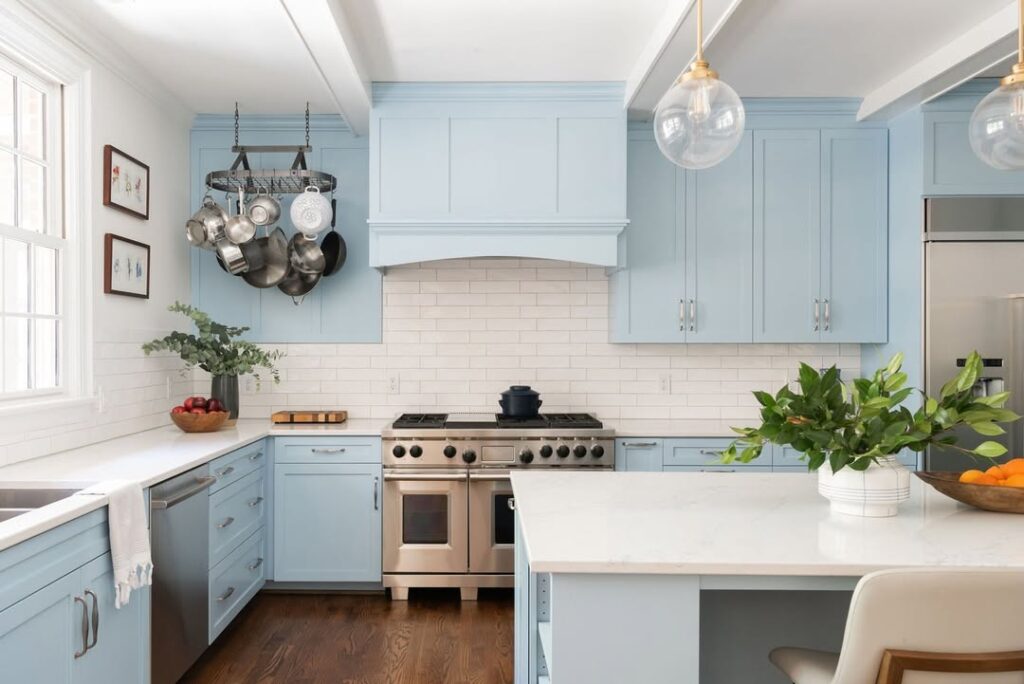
x=611, y=568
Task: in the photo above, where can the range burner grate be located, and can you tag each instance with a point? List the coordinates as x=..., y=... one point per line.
x=420, y=420
x=572, y=420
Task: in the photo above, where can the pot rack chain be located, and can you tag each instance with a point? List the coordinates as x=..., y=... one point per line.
x=284, y=181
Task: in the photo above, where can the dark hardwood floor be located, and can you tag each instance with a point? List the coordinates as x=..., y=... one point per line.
x=434, y=638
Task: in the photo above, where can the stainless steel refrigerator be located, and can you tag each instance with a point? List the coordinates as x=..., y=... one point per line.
x=974, y=300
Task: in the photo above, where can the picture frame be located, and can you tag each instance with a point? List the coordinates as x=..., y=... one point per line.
x=125, y=183
x=125, y=267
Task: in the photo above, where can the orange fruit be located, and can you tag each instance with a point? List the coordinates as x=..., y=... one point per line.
x=1013, y=467
x=996, y=472
x=1015, y=480
x=971, y=476
x=987, y=479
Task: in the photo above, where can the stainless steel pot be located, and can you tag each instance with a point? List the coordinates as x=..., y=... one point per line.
x=297, y=284
x=273, y=255
x=305, y=255
x=231, y=257
x=240, y=228
x=264, y=210
x=213, y=218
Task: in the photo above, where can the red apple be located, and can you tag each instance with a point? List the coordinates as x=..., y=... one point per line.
x=189, y=403
x=199, y=402
x=179, y=409
x=198, y=411
x=214, y=405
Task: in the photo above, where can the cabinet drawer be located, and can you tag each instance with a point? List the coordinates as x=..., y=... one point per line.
x=234, y=466
x=235, y=581
x=236, y=512
x=327, y=450
x=719, y=469
x=638, y=454
x=696, y=452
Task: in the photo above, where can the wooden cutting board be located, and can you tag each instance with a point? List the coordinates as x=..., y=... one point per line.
x=309, y=417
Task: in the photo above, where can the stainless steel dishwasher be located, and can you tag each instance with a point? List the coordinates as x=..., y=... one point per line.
x=180, y=529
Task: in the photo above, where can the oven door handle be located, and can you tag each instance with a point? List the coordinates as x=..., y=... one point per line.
x=489, y=477
x=424, y=477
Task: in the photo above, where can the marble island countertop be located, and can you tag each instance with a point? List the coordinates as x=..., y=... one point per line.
x=743, y=524
x=147, y=458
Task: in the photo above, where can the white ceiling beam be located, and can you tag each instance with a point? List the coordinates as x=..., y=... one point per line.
x=671, y=48
x=983, y=46
x=327, y=34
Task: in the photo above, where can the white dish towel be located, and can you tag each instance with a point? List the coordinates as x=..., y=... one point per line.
x=129, y=538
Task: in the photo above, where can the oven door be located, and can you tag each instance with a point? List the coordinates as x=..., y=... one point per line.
x=492, y=523
x=425, y=526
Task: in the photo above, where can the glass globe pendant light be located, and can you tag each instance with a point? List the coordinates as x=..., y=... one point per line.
x=700, y=120
x=996, y=129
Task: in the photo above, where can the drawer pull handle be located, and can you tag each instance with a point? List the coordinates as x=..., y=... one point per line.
x=640, y=445
x=224, y=523
x=255, y=564
x=95, y=618
x=223, y=472
x=710, y=452
x=257, y=456
x=332, y=450
x=226, y=595
x=85, y=627
x=256, y=502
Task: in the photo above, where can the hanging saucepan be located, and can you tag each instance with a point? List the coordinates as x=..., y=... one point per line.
x=264, y=210
x=231, y=258
x=253, y=257
x=305, y=256
x=519, y=401
x=298, y=285
x=206, y=227
x=240, y=228
x=333, y=246
x=273, y=254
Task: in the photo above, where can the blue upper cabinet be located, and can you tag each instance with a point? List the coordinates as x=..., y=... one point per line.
x=478, y=169
x=719, y=249
x=346, y=307
x=950, y=165
x=787, y=267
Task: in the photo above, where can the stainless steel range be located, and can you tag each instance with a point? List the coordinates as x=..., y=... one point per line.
x=449, y=514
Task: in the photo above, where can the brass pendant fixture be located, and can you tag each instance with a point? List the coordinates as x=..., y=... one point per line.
x=700, y=120
x=996, y=128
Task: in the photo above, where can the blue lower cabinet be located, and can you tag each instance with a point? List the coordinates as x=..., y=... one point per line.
x=327, y=522
x=38, y=639
x=235, y=580
x=638, y=455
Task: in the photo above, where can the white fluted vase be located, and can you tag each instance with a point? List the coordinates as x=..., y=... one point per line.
x=875, y=492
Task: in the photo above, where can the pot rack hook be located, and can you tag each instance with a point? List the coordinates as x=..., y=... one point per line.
x=236, y=125
x=307, y=123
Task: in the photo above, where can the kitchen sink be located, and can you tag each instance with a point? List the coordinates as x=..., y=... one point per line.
x=17, y=500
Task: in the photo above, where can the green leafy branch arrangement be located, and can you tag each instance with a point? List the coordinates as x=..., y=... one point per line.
x=214, y=348
x=853, y=426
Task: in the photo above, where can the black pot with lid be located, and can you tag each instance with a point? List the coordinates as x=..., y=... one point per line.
x=519, y=401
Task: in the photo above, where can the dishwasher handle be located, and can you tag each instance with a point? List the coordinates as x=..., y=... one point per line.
x=202, y=484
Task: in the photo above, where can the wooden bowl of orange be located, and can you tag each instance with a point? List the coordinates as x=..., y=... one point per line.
x=1000, y=488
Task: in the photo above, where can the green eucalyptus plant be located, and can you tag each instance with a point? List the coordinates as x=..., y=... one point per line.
x=852, y=426
x=214, y=348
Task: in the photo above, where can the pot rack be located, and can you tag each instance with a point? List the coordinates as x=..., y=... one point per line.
x=292, y=181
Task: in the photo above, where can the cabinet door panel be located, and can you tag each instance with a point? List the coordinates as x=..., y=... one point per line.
x=719, y=249
x=40, y=634
x=638, y=455
x=854, y=220
x=649, y=290
x=787, y=189
x=327, y=523
x=122, y=638
x=952, y=168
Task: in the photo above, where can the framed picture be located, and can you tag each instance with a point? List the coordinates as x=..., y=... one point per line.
x=125, y=182
x=125, y=267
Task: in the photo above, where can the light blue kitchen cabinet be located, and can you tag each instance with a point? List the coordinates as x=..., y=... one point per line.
x=327, y=522
x=638, y=455
x=854, y=235
x=346, y=307
x=787, y=236
x=950, y=165
x=58, y=622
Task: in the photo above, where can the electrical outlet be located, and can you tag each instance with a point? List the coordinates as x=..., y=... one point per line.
x=394, y=384
x=665, y=383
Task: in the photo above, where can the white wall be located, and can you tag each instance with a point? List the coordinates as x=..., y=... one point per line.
x=457, y=333
x=132, y=387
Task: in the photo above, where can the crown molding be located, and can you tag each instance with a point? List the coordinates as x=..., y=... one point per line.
x=595, y=91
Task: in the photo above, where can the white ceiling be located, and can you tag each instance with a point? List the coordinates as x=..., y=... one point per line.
x=502, y=40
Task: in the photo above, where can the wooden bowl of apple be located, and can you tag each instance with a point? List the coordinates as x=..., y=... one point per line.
x=199, y=414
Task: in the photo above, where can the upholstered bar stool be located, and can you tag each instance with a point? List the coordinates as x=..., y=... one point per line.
x=923, y=627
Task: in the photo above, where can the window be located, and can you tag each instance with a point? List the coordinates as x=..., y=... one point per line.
x=33, y=241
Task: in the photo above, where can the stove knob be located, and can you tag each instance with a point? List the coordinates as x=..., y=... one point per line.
x=526, y=456
x=450, y=451
x=579, y=451
x=597, y=451
x=562, y=451
x=468, y=455
x=415, y=451
x=398, y=451
x=545, y=451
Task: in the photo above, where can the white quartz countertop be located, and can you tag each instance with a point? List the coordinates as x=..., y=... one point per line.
x=771, y=524
x=147, y=458
x=670, y=428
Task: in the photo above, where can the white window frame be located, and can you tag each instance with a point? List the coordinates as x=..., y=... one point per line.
x=38, y=48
